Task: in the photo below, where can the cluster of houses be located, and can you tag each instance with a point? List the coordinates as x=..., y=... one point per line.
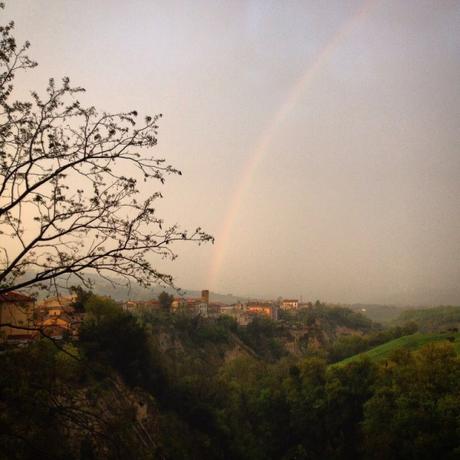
x=27, y=319
x=56, y=317
x=193, y=305
x=243, y=313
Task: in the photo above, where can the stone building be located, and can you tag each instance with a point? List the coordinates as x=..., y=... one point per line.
x=16, y=309
x=290, y=304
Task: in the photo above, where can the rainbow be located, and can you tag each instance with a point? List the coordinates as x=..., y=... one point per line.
x=264, y=141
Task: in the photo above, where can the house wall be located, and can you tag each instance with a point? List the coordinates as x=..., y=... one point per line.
x=18, y=314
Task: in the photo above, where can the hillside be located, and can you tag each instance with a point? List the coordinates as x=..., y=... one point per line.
x=165, y=386
x=408, y=342
x=378, y=313
x=436, y=319
x=119, y=291
x=318, y=327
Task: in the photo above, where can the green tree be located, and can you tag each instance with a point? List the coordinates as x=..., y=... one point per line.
x=348, y=388
x=82, y=297
x=116, y=339
x=306, y=395
x=98, y=308
x=415, y=410
x=166, y=300
x=263, y=336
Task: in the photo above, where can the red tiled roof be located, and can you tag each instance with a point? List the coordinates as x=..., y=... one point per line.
x=21, y=337
x=15, y=297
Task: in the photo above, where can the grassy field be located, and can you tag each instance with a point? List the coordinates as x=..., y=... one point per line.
x=410, y=342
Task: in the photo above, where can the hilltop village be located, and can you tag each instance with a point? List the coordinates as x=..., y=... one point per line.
x=59, y=317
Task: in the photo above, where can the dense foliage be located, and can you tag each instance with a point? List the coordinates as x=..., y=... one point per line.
x=211, y=389
x=329, y=318
x=349, y=345
x=432, y=319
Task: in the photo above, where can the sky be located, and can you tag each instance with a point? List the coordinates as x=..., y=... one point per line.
x=319, y=141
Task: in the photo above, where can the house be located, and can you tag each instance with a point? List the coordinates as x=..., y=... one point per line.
x=129, y=306
x=57, y=326
x=193, y=305
x=140, y=306
x=267, y=309
x=178, y=303
x=290, y=304
x=214, y=309
x=225, y=309
x=237, y=312
x=57, y=317
x=59, y=301
x=56, y=306
x=16, y=309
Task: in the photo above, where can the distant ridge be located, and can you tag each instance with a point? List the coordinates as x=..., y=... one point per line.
x=135, y=292
x=380, y=311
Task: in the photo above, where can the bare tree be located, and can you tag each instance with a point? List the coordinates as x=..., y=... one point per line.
x=69, y=197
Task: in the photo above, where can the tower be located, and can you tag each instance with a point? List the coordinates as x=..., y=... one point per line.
x=205, y=296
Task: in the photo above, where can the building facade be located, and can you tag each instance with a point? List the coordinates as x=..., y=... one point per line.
x=290, y=304
x=17, y=310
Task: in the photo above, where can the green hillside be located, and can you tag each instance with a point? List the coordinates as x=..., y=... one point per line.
x=432, y=319
x=410, y=342
x=378, y=313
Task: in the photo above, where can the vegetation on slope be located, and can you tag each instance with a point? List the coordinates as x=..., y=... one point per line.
x=349, y=345
x=408, y=342
x=378, y=313
x=168, y=387
x=432, y=319
x=331, y=318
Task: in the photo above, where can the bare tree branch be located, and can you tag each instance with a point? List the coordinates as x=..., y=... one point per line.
x=69, y=187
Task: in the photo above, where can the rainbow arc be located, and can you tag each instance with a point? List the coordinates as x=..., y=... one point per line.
x=261, y=146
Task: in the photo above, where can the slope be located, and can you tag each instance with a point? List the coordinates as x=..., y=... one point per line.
x=409, y=342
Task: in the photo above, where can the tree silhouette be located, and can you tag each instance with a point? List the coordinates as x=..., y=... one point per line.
x=165, y=300
x=70, y=202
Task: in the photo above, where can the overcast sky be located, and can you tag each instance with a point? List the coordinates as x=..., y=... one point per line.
x=319, y=140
